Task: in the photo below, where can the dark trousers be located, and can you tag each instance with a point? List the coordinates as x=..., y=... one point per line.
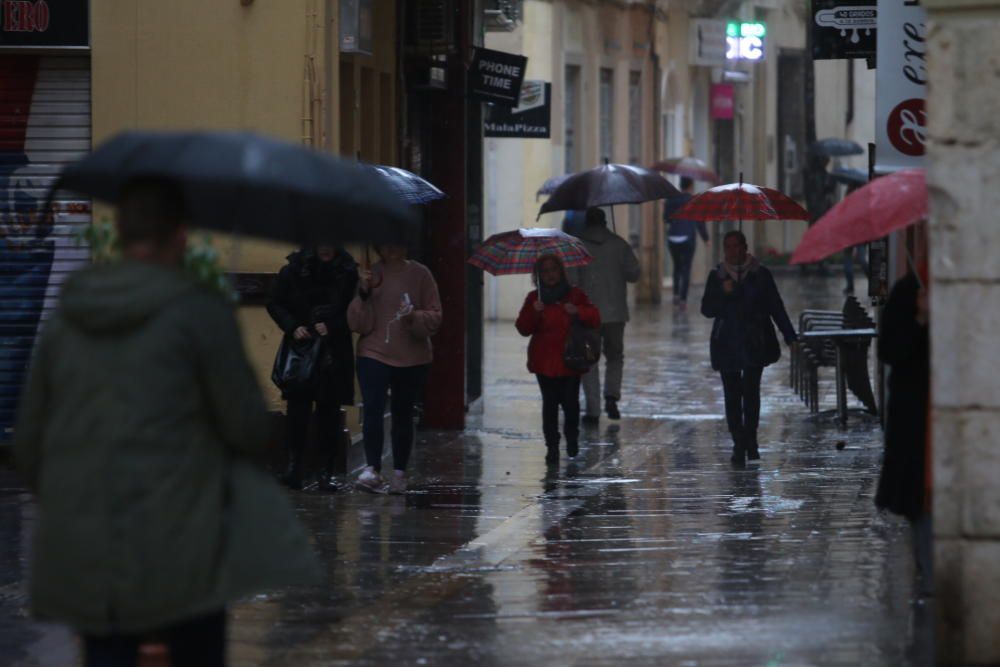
x=560, y=392
x=300, y=408
x=682, y=255
x=859, y=254
x=742, y=389
x=198, y=642
x=403, y=384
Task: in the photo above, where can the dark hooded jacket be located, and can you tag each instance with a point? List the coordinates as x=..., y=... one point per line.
x=309, y=291
x=742, y=334
x=136, y=431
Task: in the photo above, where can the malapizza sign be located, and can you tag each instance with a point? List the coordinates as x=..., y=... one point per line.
x=745, y=41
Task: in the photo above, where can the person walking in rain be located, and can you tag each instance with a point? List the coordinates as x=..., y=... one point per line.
x=682, y=241
x=137, y=431
x=743, y=299
x=546, y=317
x=904, y=345
x=310, y=302
x=604, y=281
x=396, y=312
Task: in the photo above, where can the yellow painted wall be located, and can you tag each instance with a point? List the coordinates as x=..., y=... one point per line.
x=186, y=65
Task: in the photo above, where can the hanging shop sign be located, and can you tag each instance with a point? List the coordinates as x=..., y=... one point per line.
x=844, y=29
x=745, y=41
x=38, y=23
x=496, y=76
x=901, y=86
x=723, y=101
x=707, y=42
x=530, y=119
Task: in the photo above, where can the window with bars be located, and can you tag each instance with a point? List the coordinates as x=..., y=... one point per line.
x=572, y=114
x=607, y=110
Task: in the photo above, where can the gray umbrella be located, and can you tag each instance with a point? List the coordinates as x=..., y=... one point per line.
x=248, y=184
x=606, y=186
x=849, y=176
x=836, y=148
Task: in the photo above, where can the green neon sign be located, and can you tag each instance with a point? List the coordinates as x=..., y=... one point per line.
x=736, y=29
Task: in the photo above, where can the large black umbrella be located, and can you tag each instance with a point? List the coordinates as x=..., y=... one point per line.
x=606, y=186
x=834, y=147
x=248, y=184
x=411, y=188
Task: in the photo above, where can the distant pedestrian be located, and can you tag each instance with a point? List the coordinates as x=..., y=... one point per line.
x=743, y=299
x=546, y=317
x=310, y=302
x=397, y=311
x=682, y=241
x=604, y=281
x=851, y=255
x=904, y=345
x=574, y=222
x=139, y=431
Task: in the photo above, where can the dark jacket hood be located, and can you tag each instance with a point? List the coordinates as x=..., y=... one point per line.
x=305, y=260
x=596, y=234
x=117, y=298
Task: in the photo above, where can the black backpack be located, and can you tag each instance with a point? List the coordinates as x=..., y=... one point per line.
x=583, y=346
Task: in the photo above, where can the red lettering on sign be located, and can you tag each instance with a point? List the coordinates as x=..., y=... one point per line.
x=25, y=16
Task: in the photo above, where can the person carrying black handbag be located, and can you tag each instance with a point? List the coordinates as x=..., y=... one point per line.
x=310, y=302
x=743, y=299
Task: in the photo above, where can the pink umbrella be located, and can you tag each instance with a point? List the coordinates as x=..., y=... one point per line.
x=871, y=212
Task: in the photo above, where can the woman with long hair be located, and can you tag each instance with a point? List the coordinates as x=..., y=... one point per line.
x=396, y=312
x=546, y=317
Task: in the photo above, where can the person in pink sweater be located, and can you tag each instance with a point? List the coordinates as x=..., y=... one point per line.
x=396, y=312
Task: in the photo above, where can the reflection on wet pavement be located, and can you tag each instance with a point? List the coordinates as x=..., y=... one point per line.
x=649, y=549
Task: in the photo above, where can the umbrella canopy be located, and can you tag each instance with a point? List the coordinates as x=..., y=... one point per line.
x=248, y=184
x=869, y=213
x=411, y=188
x=691, y=167
x=741, y=201
x=606, y=186
x=517, y=251
x=849, y=176
x=836, y=148
x=549, y=186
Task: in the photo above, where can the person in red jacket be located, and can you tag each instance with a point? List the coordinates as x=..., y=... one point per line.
x=546, y=316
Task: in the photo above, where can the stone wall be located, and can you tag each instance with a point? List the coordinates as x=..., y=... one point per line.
x=964, y=173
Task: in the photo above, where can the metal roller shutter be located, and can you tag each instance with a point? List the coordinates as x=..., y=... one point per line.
x=44, y=124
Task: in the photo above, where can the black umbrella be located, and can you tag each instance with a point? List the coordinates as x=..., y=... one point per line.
x=248, y=184
x=836, y=148
x=606, y=186
x=849, y=176
x=549, y=186
x=411, y=188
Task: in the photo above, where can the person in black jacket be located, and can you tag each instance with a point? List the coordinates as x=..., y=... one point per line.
x=904, y=345
x=743, y=299
x=310, y=299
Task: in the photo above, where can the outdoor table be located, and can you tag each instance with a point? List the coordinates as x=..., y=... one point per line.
x=841, y=338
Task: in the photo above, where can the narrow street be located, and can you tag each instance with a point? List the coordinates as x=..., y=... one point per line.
x=649, y=549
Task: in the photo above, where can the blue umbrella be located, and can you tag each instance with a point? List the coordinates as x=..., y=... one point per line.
x=836, y=148
x=411, y=188
x=849, y=176
x=248, y=184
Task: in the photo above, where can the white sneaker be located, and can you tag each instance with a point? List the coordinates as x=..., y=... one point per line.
x=398, y=483
x=370, y=480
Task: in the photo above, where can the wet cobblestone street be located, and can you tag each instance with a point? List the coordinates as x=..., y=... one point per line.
x=648, y=549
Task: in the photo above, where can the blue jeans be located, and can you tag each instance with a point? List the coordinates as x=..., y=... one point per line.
x=682, y=255
x=377, y=380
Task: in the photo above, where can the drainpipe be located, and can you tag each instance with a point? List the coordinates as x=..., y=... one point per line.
x=655, y=279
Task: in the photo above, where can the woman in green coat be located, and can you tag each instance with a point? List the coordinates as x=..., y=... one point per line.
x=138, y=431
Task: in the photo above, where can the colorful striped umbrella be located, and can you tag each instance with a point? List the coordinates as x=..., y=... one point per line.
x=517, y=251
x=741, y=201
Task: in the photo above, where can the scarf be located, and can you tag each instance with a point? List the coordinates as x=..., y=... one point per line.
x=554, y=294
x=738, y=271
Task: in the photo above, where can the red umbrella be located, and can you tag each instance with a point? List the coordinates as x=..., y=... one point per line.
x=875, y=210
x=741, y=201
x=691, y=167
